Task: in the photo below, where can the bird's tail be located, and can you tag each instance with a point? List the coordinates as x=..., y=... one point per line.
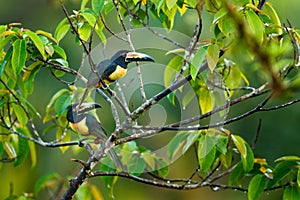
x=83, y=97
x=116, y=159
x=92, y=147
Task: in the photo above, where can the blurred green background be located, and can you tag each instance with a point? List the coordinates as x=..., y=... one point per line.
x=279, y=135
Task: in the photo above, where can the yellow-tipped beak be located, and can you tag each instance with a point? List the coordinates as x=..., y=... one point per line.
x=85, y=107
x=135, y=56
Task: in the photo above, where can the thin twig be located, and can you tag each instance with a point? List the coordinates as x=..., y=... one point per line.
x=258, y=108
x=110, y=31
x=256, y=135
x=170, y=185
x=112, y=105
x=261, y=4
x=74, y=29
x=281, y=106
x=86, y=50
x=128, y=33
x=123, y=98
x=146, y=25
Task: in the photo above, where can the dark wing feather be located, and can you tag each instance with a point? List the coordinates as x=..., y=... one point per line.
x=105, y=68
x=95, y=128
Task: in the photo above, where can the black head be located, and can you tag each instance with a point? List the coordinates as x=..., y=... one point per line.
x=76, y=114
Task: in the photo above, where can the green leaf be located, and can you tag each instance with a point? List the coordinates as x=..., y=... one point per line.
x=169, y=20
x=85, y=32
x=281, y=170
x=172, y=69
x=222, y=143
x=37, y=42
x=294, y=84
x=188, y=97
x=298, y=176
x=44, y=182
x=248, y=162
x=212, y=56
x=171, y=98
x=206, y=100
x=136, y=166
x=60, y=51
x=247, y=156
x=268, y=8
x=29, y=70
x=240, y=144
x=227, y=25
x=181, y=143
x=29, y=83
x=233, y=79
x=191, y=3
x=1, y=149
x=226, y=159
x=221, y=13
x=236, y=175
x=19, y=55
x=97, y=6
x=136, y=1
x=23, y=150
x=213, y=5
x=149, y=159
x=62, y=103
x=197, y=61
x=100, y=33
x=30, y=109
x=61, y=30
x=206, y=153
x=60, y=62
x=170, y=3
x=291, y=193
x=95, y=191
x=5, y=41
x=1, y=152
x=2, y=28
x=83, y=4
x=84, y=192
x=190, y=140
x=109, y=6
x=288, y=158
x=90, y=18
x=256, y=186
x=162, y=167
x=130, y=146
x=32, y=151
x=20, y=114
x=66, y=138
x=256, y=26
x=63, y=63
x=175, y=144
x=6, y=59
x=55, y=97
x=49, y=49
x=47, y=35
x=9, y=150
x=109, y=181
x=129, y=150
